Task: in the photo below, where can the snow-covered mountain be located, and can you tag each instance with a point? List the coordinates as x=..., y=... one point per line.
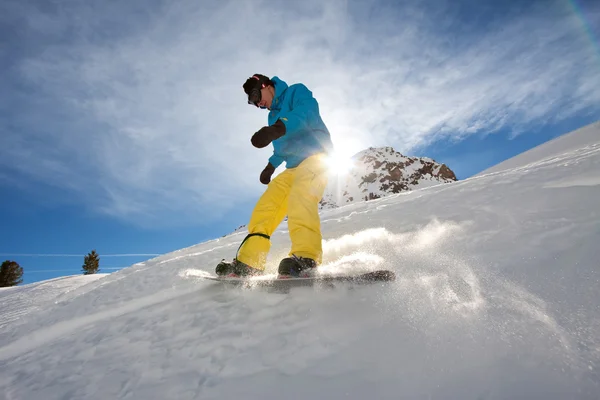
x=496, y=298
x=379, y=172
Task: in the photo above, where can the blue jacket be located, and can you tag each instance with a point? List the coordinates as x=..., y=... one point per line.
x=305, y=134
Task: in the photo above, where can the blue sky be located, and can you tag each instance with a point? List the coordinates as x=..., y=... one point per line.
x=124, y=127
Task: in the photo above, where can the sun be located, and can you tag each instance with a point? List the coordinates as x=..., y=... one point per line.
x=339, y=164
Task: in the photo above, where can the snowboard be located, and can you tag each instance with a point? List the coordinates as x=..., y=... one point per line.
x=272, y=281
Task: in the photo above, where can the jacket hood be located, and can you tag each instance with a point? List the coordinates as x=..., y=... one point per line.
x=280, y=87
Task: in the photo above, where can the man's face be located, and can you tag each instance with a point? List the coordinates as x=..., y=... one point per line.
x=266, y=94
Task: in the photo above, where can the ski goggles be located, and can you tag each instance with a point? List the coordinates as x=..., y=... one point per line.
x=255, y=95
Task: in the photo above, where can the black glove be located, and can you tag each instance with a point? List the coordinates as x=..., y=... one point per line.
x=265, y=176
x=267, y=134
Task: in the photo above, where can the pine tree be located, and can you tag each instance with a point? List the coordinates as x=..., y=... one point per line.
x=11, y=274
x=91, y=263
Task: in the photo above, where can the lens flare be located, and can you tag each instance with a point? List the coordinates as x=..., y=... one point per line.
x=339, y=164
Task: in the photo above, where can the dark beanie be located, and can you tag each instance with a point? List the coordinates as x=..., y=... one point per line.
x=253, y=82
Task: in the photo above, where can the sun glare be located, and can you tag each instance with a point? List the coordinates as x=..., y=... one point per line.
x=339, y=164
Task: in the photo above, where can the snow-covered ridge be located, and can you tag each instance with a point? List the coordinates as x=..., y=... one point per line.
x=379, y=172
x=578, y=140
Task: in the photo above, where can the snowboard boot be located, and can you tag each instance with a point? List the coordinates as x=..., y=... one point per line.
x=235, y=269
x=297, y=267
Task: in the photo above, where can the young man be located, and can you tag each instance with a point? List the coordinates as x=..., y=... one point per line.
x=301, y=139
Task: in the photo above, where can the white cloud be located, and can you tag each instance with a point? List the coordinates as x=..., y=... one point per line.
x=140, y=112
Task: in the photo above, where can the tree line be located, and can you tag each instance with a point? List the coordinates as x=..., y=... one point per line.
x=11, y=273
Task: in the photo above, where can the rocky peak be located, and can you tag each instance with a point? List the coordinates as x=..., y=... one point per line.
x=382, y=171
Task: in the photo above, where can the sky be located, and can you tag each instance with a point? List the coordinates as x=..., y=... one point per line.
x=124, y=127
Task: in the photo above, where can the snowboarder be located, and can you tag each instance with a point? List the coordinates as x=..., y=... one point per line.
x=301, y=139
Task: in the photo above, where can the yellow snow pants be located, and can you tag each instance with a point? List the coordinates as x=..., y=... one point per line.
x=296, y=192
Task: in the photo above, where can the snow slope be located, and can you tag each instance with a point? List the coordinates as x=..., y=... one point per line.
x=497, y=298
x=580, y=140
x=18, y=301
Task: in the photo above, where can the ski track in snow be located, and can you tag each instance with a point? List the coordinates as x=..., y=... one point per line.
x=496, y=297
